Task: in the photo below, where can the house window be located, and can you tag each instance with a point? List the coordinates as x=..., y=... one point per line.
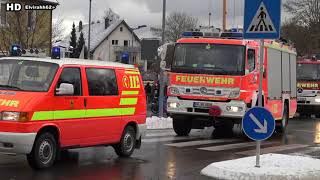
x=3, y=14
x=115, y=42
x=126, y=43
x=121, y=29
x=31, y=19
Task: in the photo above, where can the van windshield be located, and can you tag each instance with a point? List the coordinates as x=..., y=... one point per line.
x=20, y=75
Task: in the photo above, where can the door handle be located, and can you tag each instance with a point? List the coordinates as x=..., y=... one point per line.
x=85, y=102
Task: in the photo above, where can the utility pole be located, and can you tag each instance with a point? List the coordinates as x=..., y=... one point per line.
x=224, y=23
x=161, y=80
x=210, y=18
x=89, y=33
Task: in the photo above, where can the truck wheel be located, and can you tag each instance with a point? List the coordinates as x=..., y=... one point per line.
x=182, y=126
x=127, y=144
x=44, y=152
x=281, y=128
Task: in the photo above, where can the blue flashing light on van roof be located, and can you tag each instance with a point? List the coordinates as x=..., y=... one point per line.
x=56, y=53
x=15, y=50
x=191, y=34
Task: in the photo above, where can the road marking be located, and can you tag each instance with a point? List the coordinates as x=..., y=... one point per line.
x=233, y=146
x=273, y=149
x=306, y=131
x=202, y=142
x=161, y=134
x=306, y=152
x=164, y=139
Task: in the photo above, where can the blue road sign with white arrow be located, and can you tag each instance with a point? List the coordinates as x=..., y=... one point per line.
x=262, y=19
x=258, y=124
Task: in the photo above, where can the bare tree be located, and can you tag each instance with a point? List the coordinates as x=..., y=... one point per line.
x=176, y=24
x=305, y=12
x=304, y=27
x=57, y=30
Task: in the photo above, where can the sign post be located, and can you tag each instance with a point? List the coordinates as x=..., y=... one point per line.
x=262, y=20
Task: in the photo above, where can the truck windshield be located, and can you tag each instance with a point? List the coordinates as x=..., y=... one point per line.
x=308, y=72
x=19, y=75
x=214, y=59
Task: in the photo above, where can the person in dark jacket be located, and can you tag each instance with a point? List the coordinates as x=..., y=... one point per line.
x=148, y=92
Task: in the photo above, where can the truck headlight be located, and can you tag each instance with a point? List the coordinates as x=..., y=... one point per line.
x=173, y=105
x=235, y=93
x=317, y=100
x=14, y=116
x=234, y=109
x=174, y=90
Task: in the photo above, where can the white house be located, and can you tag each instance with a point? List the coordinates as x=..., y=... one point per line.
x=110, y=40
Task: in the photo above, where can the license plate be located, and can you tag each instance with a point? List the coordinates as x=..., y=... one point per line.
x=202, y=105
x=302, y=99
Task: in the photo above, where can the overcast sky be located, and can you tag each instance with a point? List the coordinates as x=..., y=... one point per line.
x=149, y=12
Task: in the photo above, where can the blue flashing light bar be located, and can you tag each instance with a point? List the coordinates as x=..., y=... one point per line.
x=232, y=35
x=56, y=53
x=191, y=34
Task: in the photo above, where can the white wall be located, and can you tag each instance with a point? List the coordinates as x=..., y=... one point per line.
x=106, y=50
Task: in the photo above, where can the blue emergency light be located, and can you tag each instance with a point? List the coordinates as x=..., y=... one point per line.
x=232, y=35
x=192, y=34
x=15, y=50
x=56, y=53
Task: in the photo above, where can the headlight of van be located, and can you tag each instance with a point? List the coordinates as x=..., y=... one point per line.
x=15, y=116
x=235, y=93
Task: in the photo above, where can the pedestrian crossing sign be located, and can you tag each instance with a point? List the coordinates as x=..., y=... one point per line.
x=262, y=19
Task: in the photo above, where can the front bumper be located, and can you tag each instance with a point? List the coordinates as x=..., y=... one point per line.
x=308, y=101
x=186, y=107
x=16, y=143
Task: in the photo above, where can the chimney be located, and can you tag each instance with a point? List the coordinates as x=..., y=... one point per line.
x=106, y=23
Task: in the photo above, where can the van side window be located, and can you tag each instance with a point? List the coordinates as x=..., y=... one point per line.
x=71, y=76
x=102, y=82
x=251, y=60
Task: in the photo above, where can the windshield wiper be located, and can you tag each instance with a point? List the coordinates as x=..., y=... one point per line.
x=10, y=87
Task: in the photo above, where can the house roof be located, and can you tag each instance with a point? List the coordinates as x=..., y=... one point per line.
x=53, y=2
x=99, y=33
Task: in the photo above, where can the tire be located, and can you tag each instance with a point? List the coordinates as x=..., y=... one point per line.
x=181, y=126
x=127, y=144
x=44, y=152
x=281, y=128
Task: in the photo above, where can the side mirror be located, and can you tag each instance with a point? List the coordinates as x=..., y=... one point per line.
x=65, y=89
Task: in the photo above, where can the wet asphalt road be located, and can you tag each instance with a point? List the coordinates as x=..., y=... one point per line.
x=156, y=160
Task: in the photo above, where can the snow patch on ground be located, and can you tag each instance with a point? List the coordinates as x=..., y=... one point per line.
x=159, y=123
x=273, y=167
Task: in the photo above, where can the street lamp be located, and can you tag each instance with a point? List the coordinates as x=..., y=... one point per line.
x=161, y=80
x=133, y=29
x=89, y=33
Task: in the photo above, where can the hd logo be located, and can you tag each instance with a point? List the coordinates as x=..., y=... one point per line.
x=13, y=7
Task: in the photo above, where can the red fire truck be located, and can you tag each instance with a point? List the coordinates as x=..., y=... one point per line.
x=308, y=77
x=214, y=81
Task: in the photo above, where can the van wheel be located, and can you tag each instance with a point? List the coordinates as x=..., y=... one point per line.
x=182, y=126
x=281, y=128
x=44, y=152
x=127, y=144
